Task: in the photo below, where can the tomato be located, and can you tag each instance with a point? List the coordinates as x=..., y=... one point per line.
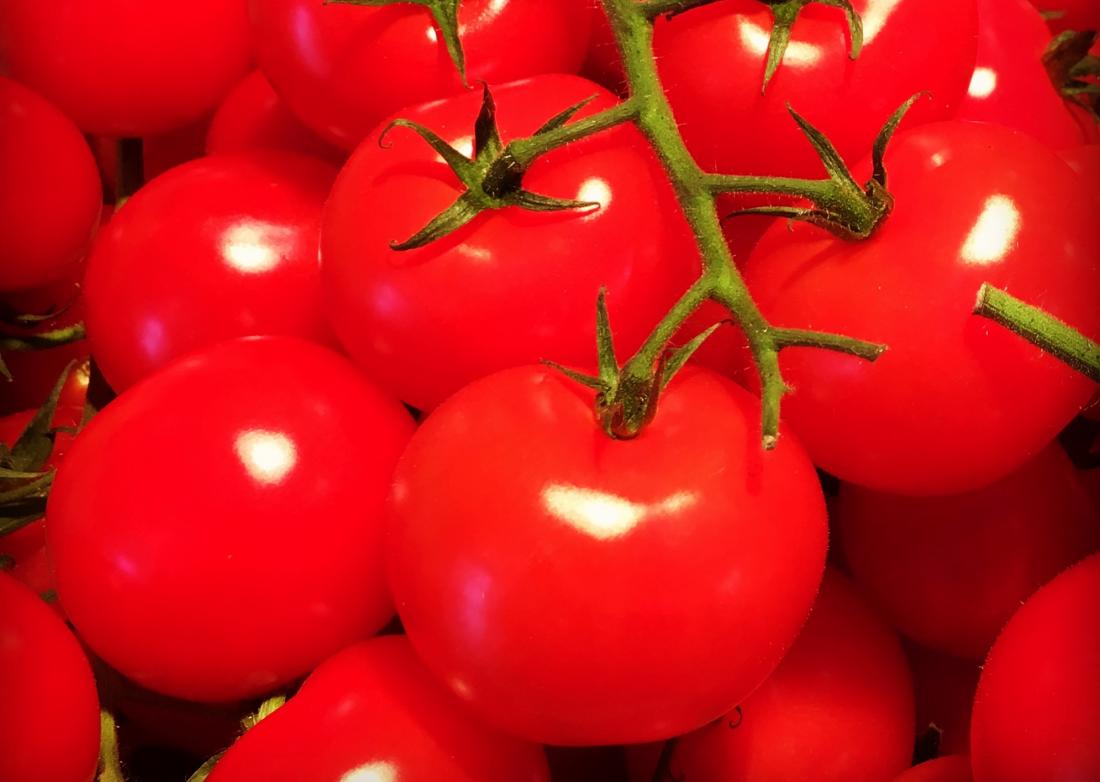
x=1010, y=85
x=372, y=712
x=125, y=69
x=228, y=511
x=629, y=590
x=49, y=715
x=253, y=116
x=956, y=402
x=512, y=287
x=839, y=708
x=159, y=153
x=950, y=768
x=218, y=248
x=342, y=68
x=1085, y=160
x=712, y=65
x=1036, y=715
x=1073, y=14
x=950, y=571
x=47, y=220
x=944, y=688
x=602, y=64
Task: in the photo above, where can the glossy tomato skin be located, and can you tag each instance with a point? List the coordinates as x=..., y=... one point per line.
x=253, y=116
x=1010, y=85
x=956, y=402
x=950, y=571
x=712, y=65
x=374, y=710
x=49, y=715
x=630, y=590
x=222, y=247
x=126, y=69
x=343, y=68
x=839, y=708
x=50, y=207
x=949, y=768
x=512, y=287
x=212, y=529
x=1036, y=714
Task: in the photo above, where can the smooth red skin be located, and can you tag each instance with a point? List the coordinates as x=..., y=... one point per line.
x=343, y=68
x=125, y=69
x=1085, y=160
x=956, y=402
x=1011, y=87
x=839, y=708
x=253, y=116
x=950, y=768
x=647, y=627
x=50, y=206
x=512, y=287
x=1077, y=14
x=49, y=715
x=602, y=63
x=168, y=275
x=944, y=687
x=950, y=571
x=711, y=62
x=1037, y=715
x=374, y=708
x=205, y=558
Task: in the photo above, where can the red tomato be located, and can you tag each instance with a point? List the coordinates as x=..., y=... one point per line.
x=712, y=65
x=218, y=248
x=159, y=153
x=1037, y=714
x=213, y=528
x=603, y=64
x=950, y=768
x=957, y=401
x=127, y=69
x=839, y=708
x=49, y=207
x=252, y=117
x=512, y=287
x=342, y=68
x=1085, y=160
x=1010, y=85
x=1074, y=14
x=373, y=713
x=49, y=715
x=950, y=571
x=580, y=590
x=944, y=688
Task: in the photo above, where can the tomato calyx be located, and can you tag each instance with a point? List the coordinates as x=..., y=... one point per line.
x=41, y=341
x=784, y=14
x=1073, y=70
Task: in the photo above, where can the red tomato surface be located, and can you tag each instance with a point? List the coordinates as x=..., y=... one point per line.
x=50, y=202
x=218, y=248
x=1010, y=85
x=228, y=510
x=950, y=768
x=1085, y=160
x=372, y=712
x=950, y=571
x=602, y=64
x=49, y=713
x=839, y=708
x=944, y=688
x=159, y=152
x=121, y=68
x=580, y=590
x=512, y=287
x=1037, y=714
x=712, y=65
x=1074, y=14
x=957, y=401
x=342, y=68
x=252, y=116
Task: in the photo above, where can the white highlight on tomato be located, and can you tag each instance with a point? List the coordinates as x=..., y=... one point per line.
x=268, y=456
x=994, y=232
x=982, y=83
x=603, y=515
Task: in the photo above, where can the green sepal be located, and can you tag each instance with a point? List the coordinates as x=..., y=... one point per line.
x=31, y=451
x=826, y=152
x=595, y=383
x=110, y=765
x=559, y=119
x=462, y=211
x=536, y=202
x=486, y=135
x=882, y=140
x=1070, y=67
x=679, y=357
x=206, y=769
x=784, y=15
x=14, y=501
x=461, y=165
x=607, y=363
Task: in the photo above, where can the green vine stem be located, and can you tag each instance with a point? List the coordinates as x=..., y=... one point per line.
x=45, y=339
x=1041, y=329
x=110, y=767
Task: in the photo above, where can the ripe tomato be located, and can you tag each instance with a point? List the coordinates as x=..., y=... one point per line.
x=1073, y=14
x=49, y=207
x=839, y=708
x=372, y=712
x=950, y=571
x=1085, y=160
x=1037, y=715
x=1010, y=85
x=49, y=715
x=512, y=287
x=253, y=116
x=712, y=65
x=950, y=768
x=944, y=687
x=218, y=248
x=159, y=153
x=602, y=63
x=127, y=69
x=596, y=591
x=342, y=68
x=957, y=401
x=237, y=541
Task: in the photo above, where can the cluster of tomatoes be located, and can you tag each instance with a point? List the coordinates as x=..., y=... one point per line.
x=292, y=429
